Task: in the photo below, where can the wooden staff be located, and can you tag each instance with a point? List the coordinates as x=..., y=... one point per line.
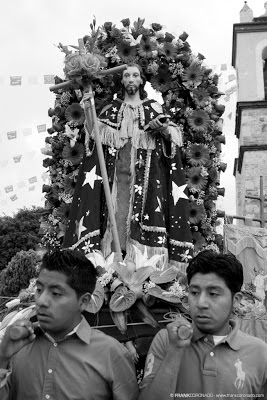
x=90, y=115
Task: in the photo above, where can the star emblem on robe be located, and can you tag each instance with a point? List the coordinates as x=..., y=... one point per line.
x=114, y=109
x=146, y=217
x=178, y=192
x=80, y=228
x=91, y=177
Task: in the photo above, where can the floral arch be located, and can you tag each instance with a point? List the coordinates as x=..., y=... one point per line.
x=190, y=93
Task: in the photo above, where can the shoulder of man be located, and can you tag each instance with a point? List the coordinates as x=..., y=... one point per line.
x=258, y=344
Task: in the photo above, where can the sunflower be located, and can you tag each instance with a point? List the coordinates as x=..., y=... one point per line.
x=69, y=185
x=197, y=154
x=170, y=51
x=195, y=180
x=63, y=212
x=146, y=48
x=73, y=154
x=199, y=120
x=161, y=82
x=196, y=213
x=199, y=241
x=126, y=52
x=75, y=113
x=192, y=75
x=201, y=97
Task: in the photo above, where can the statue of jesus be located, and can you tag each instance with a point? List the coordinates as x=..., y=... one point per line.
x=147, y=183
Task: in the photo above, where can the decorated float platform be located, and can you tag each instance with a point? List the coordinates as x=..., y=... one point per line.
x=133, y=301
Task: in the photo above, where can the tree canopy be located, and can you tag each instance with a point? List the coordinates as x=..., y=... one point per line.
x=19, y=232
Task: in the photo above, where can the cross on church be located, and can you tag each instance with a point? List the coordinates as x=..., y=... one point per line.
x=262, y=199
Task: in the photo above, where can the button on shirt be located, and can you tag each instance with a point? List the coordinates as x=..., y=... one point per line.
x=87, y=365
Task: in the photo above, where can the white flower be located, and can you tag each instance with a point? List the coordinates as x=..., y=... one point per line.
x=142, y=260
x=112, y=151
x=186, y=256
x=204, y=171
x=97, y=258
x=148, y=285
x=175, y=289
x=88, y=246
x=161, y=239
x=138, y=189
x=136, y=217
x=106, y=277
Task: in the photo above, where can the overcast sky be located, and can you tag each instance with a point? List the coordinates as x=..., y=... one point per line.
x=29, y=31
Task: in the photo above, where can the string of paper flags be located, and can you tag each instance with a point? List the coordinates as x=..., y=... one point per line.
x=19, y=80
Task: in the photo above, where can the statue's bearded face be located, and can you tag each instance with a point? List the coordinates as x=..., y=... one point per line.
x=131, y=80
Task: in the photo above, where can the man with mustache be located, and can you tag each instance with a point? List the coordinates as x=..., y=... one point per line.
x=215, y=358
x=142, y=155
x=64, y=358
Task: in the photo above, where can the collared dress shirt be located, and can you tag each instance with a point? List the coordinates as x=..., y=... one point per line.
x=85, y=365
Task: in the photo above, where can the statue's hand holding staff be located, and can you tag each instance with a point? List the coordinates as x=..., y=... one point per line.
x=161, y=125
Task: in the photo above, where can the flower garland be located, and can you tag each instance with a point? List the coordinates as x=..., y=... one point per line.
x=190, y=93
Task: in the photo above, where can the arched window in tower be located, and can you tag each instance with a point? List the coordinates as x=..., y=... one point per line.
x=264, y=59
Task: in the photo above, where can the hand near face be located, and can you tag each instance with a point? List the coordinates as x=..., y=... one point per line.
x=180, y=333
x=10, y=346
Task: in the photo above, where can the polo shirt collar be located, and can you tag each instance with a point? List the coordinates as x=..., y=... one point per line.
x=232, y=339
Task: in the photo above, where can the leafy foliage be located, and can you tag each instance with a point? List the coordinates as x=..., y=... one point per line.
x=19, y=232
x=18, y=273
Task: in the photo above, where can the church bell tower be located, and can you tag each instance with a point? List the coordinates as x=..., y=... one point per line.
x=249, y=58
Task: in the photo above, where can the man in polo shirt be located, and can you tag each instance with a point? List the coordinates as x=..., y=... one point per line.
x=65, y=358
x=217, y=359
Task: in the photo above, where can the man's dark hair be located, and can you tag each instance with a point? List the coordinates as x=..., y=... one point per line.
x=226, y=266
x=142, y=92
x=80, y=272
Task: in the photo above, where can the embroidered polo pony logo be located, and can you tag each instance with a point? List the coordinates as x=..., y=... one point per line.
x=240, y=375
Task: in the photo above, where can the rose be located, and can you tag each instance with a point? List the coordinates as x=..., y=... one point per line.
x=169, y=37
x=107, y=26
x=200, y=56
x=46, y=189
x=72, y=65
x=125, y=22
x=183, y=36
x=90, y=63
x=156, y=27
x=48, y=162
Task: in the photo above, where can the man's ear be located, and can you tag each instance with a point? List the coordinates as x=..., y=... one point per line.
x=84, y=301
x=236, y=299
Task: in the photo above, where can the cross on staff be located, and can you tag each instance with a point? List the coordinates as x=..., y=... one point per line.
x=262, y=199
